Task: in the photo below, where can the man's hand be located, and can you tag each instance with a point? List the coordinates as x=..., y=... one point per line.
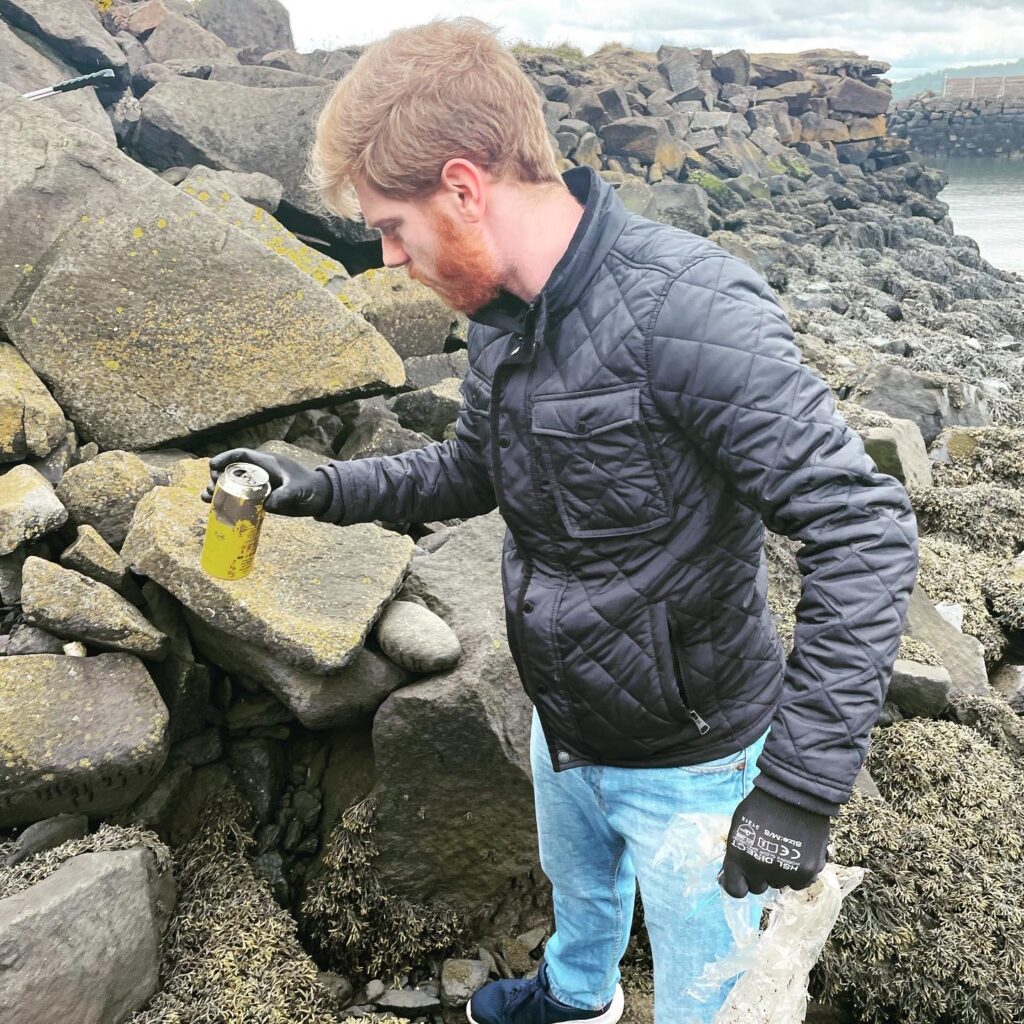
x=772, y=843
x=295, y=490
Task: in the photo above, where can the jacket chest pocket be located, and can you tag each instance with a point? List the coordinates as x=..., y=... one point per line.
x=600, y=462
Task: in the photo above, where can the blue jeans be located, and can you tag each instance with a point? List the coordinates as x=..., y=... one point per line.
x=600, y=830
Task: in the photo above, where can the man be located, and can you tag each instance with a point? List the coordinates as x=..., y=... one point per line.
x=637, y=410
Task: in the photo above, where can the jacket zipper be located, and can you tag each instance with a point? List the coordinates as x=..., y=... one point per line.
x=702, y=727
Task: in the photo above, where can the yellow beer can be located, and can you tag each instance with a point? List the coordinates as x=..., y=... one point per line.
x=233, y=527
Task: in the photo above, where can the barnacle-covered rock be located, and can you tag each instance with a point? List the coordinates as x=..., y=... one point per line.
x=967, y=455
x=986, y=517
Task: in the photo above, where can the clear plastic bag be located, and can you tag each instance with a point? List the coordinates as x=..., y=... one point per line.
x=774, y=962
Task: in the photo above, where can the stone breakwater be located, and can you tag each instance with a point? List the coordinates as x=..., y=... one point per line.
x=961, y=127
x=333, y=752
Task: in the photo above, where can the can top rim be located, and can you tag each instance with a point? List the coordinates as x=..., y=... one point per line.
x=245, y=475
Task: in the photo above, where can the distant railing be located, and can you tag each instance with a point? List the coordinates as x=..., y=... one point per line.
x=997, y=87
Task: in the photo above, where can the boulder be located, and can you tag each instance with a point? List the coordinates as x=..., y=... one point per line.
x=422, y=371
x=430, y=409
x=138, y=19
x=682, y=205
x=84, y=943
x=314, y=592
x=899, y=450
x=247, y=22
x=732, y=67
x=81, y=735
x=855, y=97
x=454, y=797
x=377, y=436
x=181, y=38
x=318, y=701
x=413, y=318
x=92, y=556
x=931, y=400
x=639, y=137
x=24, y=68
x=460, y=979
x=45, y=835
x=920, y=691
x=75, y=607
x=189, y=121
x=25, y=639
x=415, y=638
x=149, y=318
x=103, y=492
x=28, y=508
x=260, y=77
x=963, y=656
x=72, y=29
x=255, y=188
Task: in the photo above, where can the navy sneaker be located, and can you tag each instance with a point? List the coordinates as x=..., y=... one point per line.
x=526, y=1001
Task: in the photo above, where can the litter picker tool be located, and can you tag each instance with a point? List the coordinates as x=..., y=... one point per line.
x=70, y=85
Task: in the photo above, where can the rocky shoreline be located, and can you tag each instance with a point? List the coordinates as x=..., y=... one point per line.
x=329, y=760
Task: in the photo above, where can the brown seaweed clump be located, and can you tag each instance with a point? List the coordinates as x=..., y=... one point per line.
x=984, y=517
x=356, y=926
x=980, y=455
x=231, y=955
x=935, y=933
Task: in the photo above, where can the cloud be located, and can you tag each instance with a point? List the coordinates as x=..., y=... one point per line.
x=912, y=36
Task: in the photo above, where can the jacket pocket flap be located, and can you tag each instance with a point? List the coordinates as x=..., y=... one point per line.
x=586, y=415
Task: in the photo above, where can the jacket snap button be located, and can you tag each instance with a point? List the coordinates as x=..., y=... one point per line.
x=563, y=756
x=527, y=607
x=504, y=441
x=581, y=427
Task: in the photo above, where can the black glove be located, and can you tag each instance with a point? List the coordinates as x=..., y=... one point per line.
x=772, y=843
x=295, y=490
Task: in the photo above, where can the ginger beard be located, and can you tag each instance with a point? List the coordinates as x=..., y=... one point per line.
x=466, y=274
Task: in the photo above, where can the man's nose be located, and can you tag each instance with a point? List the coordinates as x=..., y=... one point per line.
x=392, y=254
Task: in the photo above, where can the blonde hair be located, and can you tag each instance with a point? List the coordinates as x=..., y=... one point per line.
x=420, y=97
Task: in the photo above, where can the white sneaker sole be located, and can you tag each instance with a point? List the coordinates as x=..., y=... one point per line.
x=610, y=1016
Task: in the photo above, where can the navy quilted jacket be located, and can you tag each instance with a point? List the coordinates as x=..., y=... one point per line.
x=637, y=424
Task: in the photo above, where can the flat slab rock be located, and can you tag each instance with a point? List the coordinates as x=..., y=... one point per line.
x=76, y=734
x=314, y=592
x=29, y=507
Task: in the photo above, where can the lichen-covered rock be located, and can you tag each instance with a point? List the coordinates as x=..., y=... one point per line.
x=76, y=607
x=417, y=639
x=31, y=422
x=431, y=409
x=87, y=940
x=76, y=734
x=103, y=492
x=411, y=316
x=28, y=508
x=313, y=594
x=318, y=701
x=251, y=187
x=92, y=556
x=150, y=318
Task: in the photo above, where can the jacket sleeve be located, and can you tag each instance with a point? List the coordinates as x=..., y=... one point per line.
x=444, y=480
x=737, y=389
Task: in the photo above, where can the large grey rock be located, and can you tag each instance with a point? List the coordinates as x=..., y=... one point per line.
x=92, y=556
x=963, y=656
x=178, y=37
x=187, y=121
x=25, y=639
x=682, y=205
x=641, y=137
x=454, y=797
x=28, y=508
x=150, y=318
x=430, y=409
x=259, y=77
x=313, y=594
x=377, y=436
x=317, y=701
x=899, y=450
x=920, y=691
x=415, y=638
x=45, y=835
x=258, y=189
x=924, y=398
x=83, y=945
x=24, y=68
x=76, y=734
x=75, y=607
x=103, y=492
x=412, y=317
x=855, y=97
x=247, y=22
x=422, y=371
x=72, y=28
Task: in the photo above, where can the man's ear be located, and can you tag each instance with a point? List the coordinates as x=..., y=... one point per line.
x=464, y=186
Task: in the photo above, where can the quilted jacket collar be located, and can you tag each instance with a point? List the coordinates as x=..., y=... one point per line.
x=602, y=222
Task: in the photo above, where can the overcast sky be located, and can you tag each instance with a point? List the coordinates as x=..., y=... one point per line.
x=912, y=35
